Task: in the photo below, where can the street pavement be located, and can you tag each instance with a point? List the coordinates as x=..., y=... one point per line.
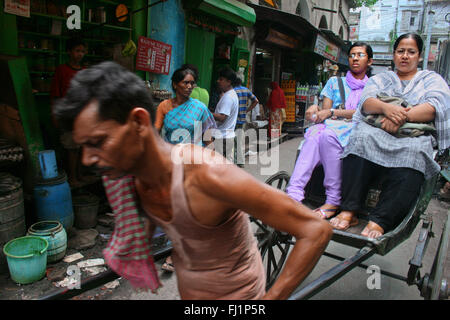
x=352, y=286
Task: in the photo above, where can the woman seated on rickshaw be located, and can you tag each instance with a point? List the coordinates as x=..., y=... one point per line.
x=381, y=143
x=324, y=142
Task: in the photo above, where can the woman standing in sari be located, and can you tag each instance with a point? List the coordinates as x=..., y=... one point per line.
x=183, y=119
x=276, y=104
x=374, y=150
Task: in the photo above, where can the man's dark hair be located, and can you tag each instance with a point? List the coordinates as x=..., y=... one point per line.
x=412, y=35
x=116, y=89
x=238, y=82
x=74, y=42
x=366, y=46
x=228, y=74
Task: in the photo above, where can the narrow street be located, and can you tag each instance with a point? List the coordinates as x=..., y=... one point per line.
x=88, y=89
x=351, y=286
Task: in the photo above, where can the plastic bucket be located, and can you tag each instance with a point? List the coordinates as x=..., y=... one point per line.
x=27, y=258
x=47, y=162
x=53, y=200
x=85, y=209
x=56, y=236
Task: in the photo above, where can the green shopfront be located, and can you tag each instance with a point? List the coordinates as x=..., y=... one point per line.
x=213, y=41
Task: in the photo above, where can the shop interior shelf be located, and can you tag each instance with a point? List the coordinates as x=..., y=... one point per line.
x=113, y=3
x=49, y=73
x=93, y=56
x=38, y=34
x=38, y=50
x=100, y=40
x=46, y=35
x=108, y=26
x=37, y=14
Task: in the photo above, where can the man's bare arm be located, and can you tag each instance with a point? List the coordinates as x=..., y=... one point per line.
x=239, y=190
x=253, y=105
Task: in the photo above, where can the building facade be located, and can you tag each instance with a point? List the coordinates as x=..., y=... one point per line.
x=332, y=15
x=440, y=30
x=381, y=24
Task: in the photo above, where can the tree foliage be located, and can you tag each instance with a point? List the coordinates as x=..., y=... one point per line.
x=366, y=3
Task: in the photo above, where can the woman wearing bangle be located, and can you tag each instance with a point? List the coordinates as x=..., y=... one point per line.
x=324, y=142
x=375, y=150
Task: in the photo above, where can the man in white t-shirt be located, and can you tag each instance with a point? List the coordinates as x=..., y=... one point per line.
x=226, y=114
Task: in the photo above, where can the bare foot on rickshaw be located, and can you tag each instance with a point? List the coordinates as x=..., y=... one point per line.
x=344, y=220
x=327, y=211
x=372, y=230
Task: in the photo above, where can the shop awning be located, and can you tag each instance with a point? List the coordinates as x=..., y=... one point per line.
x=293, y=22
x=229, y=10
x=343, y=46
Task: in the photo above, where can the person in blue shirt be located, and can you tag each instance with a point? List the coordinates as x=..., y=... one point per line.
x=245, y=97
x=324, y=142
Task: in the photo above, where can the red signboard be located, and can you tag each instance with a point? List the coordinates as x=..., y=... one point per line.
x=18, y=7
x=153, y=56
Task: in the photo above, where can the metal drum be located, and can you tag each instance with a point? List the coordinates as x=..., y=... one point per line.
x=12, y=212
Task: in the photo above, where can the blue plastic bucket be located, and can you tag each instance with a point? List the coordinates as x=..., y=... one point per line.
x=47, y=162
x=53, y=200
x=56, y=236
x=27, y=258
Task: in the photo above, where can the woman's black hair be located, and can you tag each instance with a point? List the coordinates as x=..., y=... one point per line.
x=366, y=46
x=412, y=35
x=181, y=73
x=116, y=89
x=193, y=67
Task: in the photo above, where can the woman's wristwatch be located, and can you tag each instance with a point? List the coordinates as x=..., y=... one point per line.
x=331, y=113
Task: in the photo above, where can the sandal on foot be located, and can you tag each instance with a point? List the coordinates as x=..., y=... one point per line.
x=349, y=218
x=323, y=212
x=444, y=193
x=167, y=266
x=372, y=230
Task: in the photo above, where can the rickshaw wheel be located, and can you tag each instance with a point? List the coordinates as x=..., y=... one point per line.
x=434, y=286
x=273, y=245
x=279, y=180
x=439, y=288
x=269, y=240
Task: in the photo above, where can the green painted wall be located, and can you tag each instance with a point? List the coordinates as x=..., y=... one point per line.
x=200, y=52
x=25, y=103
x=8, y=32
x=139, y=25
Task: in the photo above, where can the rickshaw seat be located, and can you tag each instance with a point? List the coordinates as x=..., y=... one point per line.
x=315, y=196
